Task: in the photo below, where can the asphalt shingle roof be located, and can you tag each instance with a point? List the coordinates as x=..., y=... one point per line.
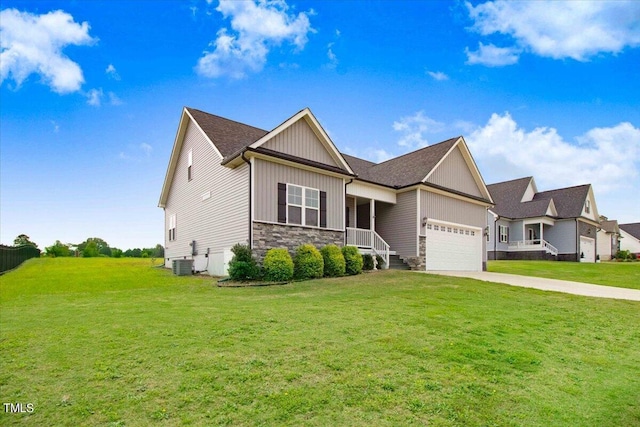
x=402, y=171
x=610, y=226
x=228, y=136
x=632, y=228
x=231, y=138
x=568, y=202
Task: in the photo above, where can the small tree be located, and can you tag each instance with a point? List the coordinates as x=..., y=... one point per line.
x=308, y=263
x=23, y=240
x=353, y=260
x=277, y=265
x=334, y=265
x=90, y=250
x=58, y=249
x=243, y=266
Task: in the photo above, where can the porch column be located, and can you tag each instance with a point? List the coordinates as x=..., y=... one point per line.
x=372, y=214
x=541, y=232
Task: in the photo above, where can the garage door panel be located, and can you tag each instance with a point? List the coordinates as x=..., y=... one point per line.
x=453, y=247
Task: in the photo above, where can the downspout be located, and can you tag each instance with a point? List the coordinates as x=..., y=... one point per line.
x=495, y=237
x=345, y=211
x=250, y=207
x=578, y=240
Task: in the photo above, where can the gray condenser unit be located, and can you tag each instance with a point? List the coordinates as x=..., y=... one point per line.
x=182, y=267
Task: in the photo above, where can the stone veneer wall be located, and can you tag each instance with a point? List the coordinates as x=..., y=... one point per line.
x=418, y=262
x=267, y=236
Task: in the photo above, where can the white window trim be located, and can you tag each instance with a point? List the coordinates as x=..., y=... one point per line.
x=189, y=165
x=303, y=207
x=503, y=232
x=172, y=228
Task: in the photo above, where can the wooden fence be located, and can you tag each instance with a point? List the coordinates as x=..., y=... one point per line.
x=13, y=256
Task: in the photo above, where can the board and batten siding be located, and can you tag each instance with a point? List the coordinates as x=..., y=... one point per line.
x=397, y=224
x=299, y=140
x=212, y=208
x=454, y=173
x=267, y=175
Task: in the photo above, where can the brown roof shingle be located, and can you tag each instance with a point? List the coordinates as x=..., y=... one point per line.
x=632, y=228
x=228, y=136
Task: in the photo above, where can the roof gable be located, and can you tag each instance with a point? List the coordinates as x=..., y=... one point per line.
x=632, y=229
x=300, y=140
x=570, y=201
x=321, y=136
x=454, y=172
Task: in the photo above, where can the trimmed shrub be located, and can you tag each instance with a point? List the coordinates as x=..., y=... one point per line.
x=367, y=262
x=242, y=266
x=380, y=261
x=352, y=259
x=277, y=265
x=308, y=263
x=334, y=265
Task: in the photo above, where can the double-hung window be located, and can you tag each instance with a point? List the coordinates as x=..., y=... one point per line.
x=303, y=205
x=172, y=227
x=504, y=233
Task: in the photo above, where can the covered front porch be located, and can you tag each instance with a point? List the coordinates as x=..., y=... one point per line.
x=532, y=237
x=360, y=220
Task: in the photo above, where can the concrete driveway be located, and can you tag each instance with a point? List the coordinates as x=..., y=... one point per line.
x=565, y=286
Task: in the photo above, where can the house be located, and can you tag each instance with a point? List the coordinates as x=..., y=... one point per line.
x=229, y=183
x=556, y=225
x=630, y=237
x=608, y=242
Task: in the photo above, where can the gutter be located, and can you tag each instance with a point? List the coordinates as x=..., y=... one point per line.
x=250, y=207
x=495, y=237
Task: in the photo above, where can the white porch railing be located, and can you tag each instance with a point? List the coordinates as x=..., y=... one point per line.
x=369, y=239
x=529, y=245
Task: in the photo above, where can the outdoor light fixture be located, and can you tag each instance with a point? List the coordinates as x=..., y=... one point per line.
x=424, y=221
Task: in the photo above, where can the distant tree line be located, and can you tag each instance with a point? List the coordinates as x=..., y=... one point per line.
x=91, y=247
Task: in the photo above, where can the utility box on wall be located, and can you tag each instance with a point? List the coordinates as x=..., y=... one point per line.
x=182, y=267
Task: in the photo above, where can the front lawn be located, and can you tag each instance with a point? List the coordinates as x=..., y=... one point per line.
x=102, y=342
x=620, y=274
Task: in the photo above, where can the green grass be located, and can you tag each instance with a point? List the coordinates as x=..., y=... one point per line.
x=620, y=274
x=101, y=342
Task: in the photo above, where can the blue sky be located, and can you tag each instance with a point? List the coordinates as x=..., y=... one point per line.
x=92, y=91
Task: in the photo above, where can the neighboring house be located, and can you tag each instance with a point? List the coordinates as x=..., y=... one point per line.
x=526, y=224
x=608, y=238
x=630, y=237
x=229, y=183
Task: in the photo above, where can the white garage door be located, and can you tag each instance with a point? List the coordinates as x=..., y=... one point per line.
x=587, y=248
x=453, y=247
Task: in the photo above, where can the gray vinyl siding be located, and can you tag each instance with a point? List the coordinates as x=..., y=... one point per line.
x=454, y=173
x=216, y=223
x=441, y=207
x=563, y=236
x=516, y=231
x=397, y=224
x=267, y=177
x=494, y=234
x=300, y=140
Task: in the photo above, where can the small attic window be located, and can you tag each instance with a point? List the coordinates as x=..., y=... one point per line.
x=587, y=206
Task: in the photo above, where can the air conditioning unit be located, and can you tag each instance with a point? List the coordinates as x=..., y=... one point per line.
x=182, y=267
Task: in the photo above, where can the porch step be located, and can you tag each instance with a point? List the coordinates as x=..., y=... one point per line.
x=395, y=263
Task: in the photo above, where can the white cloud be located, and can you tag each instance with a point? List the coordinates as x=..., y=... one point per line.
x=561, y=29
x=438, y=75
x=608, y=158
x=333, y=59
x=136, y=153
x=113, y=99
x=33, y=44
x=94, y=97
x=112, y=72
x=256, y=27
x=492, y=56
x=414, y=129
